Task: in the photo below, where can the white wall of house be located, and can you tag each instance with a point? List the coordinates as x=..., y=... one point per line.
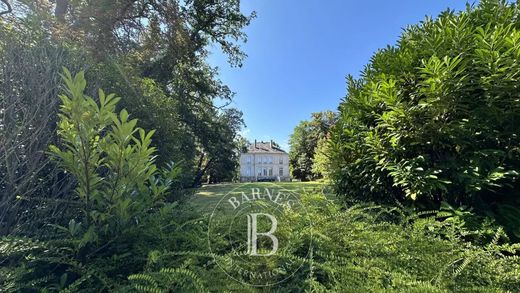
x=264, y=165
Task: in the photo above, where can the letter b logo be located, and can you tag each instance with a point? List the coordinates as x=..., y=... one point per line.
x=252, y=234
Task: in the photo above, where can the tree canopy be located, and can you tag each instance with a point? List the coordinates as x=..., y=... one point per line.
x=303, y=143
x=154, y=54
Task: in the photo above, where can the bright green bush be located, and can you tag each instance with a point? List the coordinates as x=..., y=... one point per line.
x=118, y=187
x=436, y=117
x=110, y=158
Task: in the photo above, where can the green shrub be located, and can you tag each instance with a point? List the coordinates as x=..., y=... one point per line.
x=435, y=118
x=118, y=187
x=373, y=248
x=110, y=158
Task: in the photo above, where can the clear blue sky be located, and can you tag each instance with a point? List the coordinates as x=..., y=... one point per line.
x=299, y=52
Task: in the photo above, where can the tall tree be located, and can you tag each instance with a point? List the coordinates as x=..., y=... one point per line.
x=303, y=143
x=154, y=53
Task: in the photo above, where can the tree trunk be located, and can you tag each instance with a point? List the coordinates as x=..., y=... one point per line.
x=201, y=172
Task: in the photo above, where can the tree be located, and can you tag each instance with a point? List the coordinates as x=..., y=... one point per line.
x=303, y=143
x=29, y=85
x=154, y=54
x=321, y=163
x=218, y=151
x=243, y=144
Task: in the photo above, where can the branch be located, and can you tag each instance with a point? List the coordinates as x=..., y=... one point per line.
x=9, y=8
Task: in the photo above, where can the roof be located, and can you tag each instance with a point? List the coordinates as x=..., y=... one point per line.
x=265, y=147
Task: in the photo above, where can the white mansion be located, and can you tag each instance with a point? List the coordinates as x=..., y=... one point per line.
x=264, y=161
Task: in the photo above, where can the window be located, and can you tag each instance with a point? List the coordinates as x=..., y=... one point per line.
x=248, y=159
x=270, y=159
x=259, y=172
x=248, y=171
x=265, y=171
x=259, y=160
x=280, y=172
x=281, y=160
x=270, y=171
x=265, y=160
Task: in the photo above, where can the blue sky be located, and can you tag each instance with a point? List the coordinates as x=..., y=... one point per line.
x=299, y=52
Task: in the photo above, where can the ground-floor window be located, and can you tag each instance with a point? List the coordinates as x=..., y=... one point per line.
x=270, y=171
x=280, y=172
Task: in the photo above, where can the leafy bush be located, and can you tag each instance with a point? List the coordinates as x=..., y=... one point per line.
x=117, y=187
x=110, y=158
x=373, y=248
x=435, y=118
x=29, y=84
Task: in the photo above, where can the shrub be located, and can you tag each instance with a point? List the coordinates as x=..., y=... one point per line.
x=110, y=158
x=29, y=84
x=118, y=187
x=434, y=118
x=373, y=248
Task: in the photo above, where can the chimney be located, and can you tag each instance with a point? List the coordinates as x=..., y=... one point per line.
x=255, y=143
x=271, y=143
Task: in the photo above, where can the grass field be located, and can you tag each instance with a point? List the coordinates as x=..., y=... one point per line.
x=207, y=196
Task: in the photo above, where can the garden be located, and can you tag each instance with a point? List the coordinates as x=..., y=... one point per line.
x=120, y=148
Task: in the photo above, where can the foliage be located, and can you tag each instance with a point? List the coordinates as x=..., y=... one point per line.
x=321, y=163
x=225, y=149
x=368, y=247
x=364, y=247
x=144, y=49
x=110, y=158
x=29, y=84
x=433, y=118
x=303, y=143
x=118, y=186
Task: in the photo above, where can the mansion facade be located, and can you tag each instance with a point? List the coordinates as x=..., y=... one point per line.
x=264, y=161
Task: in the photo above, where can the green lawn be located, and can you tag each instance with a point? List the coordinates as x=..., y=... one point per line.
x=207, y=196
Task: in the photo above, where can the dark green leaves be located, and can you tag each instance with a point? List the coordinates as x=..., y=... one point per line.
x=436, y=117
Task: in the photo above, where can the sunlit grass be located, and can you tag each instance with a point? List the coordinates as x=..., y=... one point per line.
x=206, y=197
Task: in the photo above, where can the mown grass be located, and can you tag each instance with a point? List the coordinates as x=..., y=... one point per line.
x=206, y=197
